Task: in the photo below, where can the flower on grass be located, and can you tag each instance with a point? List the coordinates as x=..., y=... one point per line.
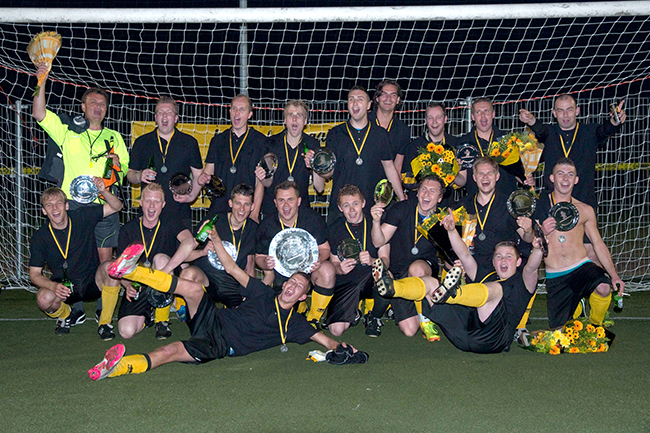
x=577, y=336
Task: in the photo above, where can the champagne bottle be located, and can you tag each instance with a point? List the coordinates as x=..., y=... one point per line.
x=66, y=281
x=203, y=234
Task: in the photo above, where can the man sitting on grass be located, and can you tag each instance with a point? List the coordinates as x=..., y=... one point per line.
x=262, y=321
x=478, y=317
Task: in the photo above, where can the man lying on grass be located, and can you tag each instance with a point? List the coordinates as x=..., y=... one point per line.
x=262, y=321
x=478, y=317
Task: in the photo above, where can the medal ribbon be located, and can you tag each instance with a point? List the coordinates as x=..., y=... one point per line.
x=233, y=234
x=164, y=154
x=354, y=143
x=426, y=135
x=294, y=223
x=283, y=334
x=92, y=143
x=479, y=143
x=364, y=232
x=418, y=235
x=147, y=251
x=295, y=157
x=234, y=158
x=567, y=152
x=478, y=217
x=490, y=274
x=67, y=245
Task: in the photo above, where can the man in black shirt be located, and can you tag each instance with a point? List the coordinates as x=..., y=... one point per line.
x=482, y=135
x=434, y=132
x=353, y=281
x=234, y=157
x=362, y=150
x=389, y=96
x=237, y=228
x=70, y=253
x=262, y=321
x=173, y=152
x=291, y=215
x=293, y=148
x=167, y=244
x=410, y=253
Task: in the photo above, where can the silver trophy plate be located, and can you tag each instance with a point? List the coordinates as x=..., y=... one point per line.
x=383, y=192
x=269, y=163
x=83, y=190
x=215, y=188
x=180, y=184
x=349, y=249
x=566, y=216
x=293, y=250
x=521, y=203
x=323, y=161
x=467, y=153
x=214, y=260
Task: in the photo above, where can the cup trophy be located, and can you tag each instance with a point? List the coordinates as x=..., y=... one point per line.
x=383, y=192
x=180, y=184
x=323, y=161
x=437, y=235
x=83, y=190
x=43, y=48
x=349, y=249
x=269, y=163
x=215, y=188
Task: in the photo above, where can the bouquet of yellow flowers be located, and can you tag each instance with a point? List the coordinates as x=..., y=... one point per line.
x=530, y=150
x=577, y=336
x=435, y=159
x=435, y=233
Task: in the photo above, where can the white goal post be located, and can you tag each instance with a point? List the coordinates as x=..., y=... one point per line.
x=521, y=55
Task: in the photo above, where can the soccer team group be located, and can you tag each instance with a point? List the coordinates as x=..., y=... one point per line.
x=481, y=302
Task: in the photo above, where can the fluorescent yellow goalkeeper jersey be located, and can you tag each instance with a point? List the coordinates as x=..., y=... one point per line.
x=80, y=151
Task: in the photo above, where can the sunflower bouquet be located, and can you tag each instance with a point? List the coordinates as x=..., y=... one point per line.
x=577, y=336
x=530, y=150
x=435, y=159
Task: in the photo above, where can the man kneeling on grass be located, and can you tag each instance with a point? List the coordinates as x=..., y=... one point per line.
x=262, y=321
x=479, y=317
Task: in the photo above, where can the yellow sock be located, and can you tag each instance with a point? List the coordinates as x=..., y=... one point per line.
x=599, y=306
x=370, y=304
x=158, y=280
x=470, y=295
x=132, y=364
x=162, y=314
x=302, y=307
x=412, y=288
x=319, y=303
x=62, y=313
x=109, y=301
x=418, y=307
x=524, y=318
x=180, y=301
x=578, y=311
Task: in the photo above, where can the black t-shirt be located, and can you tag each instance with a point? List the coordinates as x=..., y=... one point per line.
x=182, y=154
x=590, y=138
x=253, y=146
x=366, y=175
x=165, y=240
x=499, y=226
x=301, y=174
x=411, y=151
x=244, y=237
x=308, y=219
x=399, y=134
x=506, y=183
x=402, y=216
x=82, y=256
x=254, y=326
x=338, y=231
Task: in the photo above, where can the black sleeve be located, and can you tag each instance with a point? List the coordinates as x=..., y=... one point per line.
x=540, y=130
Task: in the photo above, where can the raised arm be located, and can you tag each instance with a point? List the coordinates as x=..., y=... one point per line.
x=228, y=263
x=38, y=107
x=460, y=248
x=113, y=204
x=529, y=272
x=394, y=178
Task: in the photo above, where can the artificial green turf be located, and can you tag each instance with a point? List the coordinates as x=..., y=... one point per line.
x=408, y=385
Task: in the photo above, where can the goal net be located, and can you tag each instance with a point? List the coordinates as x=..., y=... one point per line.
x=520, y=56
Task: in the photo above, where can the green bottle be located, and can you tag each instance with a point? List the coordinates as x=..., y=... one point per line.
x=203, y=234
x=152, y=164
x=618, y=303
x=136, y=286
x=108, y=168
x=66, y=281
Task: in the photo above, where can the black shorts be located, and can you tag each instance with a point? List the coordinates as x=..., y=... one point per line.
x=223, y=287
x=464, y=329
x=206, y=342
x=139, y=307
x=566, y=291
x=86, y=291
x=345, y=301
